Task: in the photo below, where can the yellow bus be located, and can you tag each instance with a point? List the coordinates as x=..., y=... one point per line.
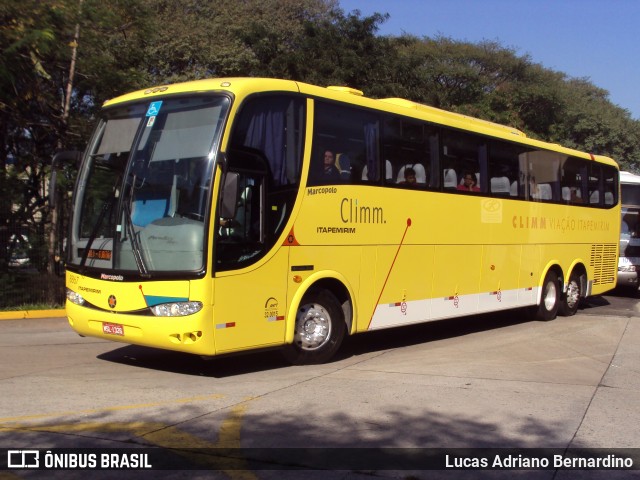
x=225, y=215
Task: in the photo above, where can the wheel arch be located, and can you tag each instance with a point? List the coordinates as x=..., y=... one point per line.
x=331, y=281
x=577, y=266
x=551, y=266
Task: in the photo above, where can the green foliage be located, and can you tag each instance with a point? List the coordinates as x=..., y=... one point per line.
x=591, y=122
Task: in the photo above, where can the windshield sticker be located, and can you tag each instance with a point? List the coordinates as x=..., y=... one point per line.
x=151, y=121
x=154, y=109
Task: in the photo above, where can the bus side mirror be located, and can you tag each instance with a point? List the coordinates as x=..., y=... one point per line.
x=229, y=197
x=59, y=157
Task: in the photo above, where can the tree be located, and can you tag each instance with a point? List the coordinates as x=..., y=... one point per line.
x=591, y=122
x=37, y=39
x=29, y=118
x=277, y=38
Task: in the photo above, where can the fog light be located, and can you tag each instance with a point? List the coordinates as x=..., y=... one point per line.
x=75, y=297
x=176, y=309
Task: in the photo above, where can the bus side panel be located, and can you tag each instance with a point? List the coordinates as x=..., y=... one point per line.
x=499, y=277
x=368, y=292
x=403, y=284
x=529, y=275
x=250, y=305
x=339, y=262
x=456, y=281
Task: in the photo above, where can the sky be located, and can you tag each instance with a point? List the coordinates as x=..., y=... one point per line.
x=594, y=39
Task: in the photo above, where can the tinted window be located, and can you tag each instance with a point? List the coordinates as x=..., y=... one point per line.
x=572, y=180
x=345, y=145
x=274, y=127
x=409, y=150
x=464, y=158
x=506, y=174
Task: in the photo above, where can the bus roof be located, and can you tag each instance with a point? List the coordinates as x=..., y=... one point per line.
x=628, y=177
x=237, y=85
x=242, y=86
x=445, y=114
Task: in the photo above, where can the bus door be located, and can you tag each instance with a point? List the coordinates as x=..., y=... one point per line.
x=250, y=285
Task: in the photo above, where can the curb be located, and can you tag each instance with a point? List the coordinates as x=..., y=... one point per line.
x=23, y=314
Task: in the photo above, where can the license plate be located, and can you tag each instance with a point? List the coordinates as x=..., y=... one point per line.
x=112, y=329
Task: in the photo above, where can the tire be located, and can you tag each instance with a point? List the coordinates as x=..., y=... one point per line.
x=550, y=299
x=571, y=299
x=319, y=329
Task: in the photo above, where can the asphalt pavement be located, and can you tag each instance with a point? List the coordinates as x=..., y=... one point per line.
x=477, y=383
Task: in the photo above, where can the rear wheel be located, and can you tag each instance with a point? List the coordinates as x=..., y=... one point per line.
x=571, y=299
x=550, y=300
x=319, y=329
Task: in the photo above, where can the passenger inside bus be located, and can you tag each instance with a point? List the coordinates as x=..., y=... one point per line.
x=470, y=183
x=326, y=173
x=343, y=165
x=409, y=175
x=412, y=174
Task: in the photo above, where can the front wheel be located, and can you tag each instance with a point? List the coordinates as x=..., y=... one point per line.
x=571, y=299
x=550, y=299
x=319, y=329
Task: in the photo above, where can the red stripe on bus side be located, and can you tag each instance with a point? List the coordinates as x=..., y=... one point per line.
x=389, y=272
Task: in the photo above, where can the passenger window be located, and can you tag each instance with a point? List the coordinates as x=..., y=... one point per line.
x=540, y=170
x=594, y=184
x=463, y=162
x=351, y=137
x=610, y=176
x=504, y=170
x=407, y=148
x=274, y=128
x=572, y=180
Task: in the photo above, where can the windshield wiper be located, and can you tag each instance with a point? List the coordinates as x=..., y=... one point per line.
x=106, y=207
x=135, y=244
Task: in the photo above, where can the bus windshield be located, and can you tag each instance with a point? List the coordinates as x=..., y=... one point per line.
x=143, y=191
x=630, y=194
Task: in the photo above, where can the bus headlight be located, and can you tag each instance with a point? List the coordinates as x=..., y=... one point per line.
x=75, y=297
x=176, y=309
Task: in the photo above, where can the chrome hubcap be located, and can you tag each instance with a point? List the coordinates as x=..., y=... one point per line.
x=551, y=296
x=313, y=327
x=573, y=294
